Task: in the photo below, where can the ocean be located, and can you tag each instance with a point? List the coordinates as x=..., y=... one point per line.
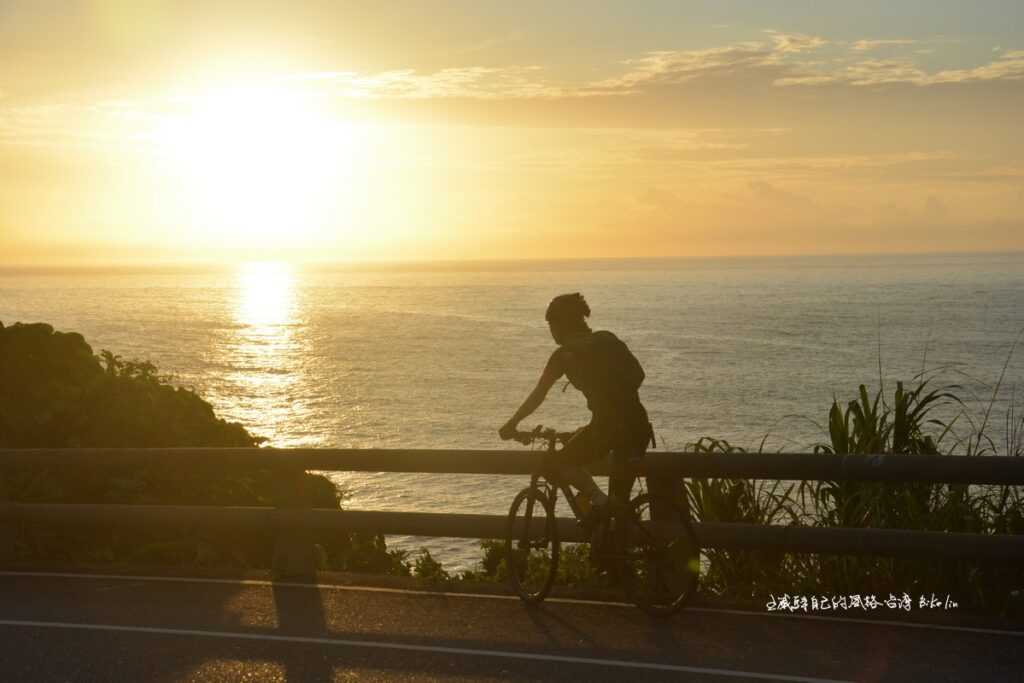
x=440, y=356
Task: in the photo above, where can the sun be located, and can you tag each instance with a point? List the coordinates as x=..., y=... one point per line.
x=267, y=164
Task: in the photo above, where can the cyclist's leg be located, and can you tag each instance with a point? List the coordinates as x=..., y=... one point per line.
x=620, y=484
x=620, y=480
x=664, y=488
x=576, y=453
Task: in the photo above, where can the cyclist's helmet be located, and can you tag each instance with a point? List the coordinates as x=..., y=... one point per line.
x=567, y=308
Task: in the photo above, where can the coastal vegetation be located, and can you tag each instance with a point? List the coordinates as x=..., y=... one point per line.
x=867, y=425
x=55, y=392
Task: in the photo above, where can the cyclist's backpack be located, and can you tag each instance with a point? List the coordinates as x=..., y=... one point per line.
x=606, y=364
x=621, y=359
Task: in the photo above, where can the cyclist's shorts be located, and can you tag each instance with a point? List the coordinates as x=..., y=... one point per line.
x=589, y=446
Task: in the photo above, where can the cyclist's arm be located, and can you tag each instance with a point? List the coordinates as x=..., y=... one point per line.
x=554, y=369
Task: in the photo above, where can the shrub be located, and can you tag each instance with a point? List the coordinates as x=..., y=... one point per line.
x=55, y=393
x=427, y=568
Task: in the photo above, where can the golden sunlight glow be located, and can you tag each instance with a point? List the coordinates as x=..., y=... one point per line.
x=252, y=131
x=265, y=296
x=264, y=164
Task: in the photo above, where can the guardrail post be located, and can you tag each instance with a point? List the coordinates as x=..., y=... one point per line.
x=294, y=555
x=8, y=527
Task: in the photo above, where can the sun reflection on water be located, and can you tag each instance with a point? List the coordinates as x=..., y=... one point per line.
x=266, y=296
x=265, y=352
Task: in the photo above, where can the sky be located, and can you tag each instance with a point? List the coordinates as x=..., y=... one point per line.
x=151, y=131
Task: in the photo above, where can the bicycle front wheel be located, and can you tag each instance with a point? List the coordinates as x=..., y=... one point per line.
x=531, y=545
x=663, y=557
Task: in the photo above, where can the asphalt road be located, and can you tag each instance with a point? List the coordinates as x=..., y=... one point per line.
x=93, y=628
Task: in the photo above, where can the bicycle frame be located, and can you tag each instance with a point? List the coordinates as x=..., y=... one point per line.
x=549, y=484
x=630, y=539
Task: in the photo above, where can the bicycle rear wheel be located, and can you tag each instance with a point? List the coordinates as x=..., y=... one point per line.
x=531, y=545
x=663, y=557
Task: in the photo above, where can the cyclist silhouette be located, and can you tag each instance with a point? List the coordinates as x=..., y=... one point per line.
x=602, y=367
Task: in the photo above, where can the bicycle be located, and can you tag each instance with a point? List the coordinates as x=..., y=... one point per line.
x=658, y=559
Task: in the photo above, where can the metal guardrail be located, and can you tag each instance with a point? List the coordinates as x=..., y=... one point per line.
x=199, y=520
x=296, y=524
x=947, y=469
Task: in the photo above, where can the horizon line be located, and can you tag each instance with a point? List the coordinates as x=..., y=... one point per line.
x=434, y=264
x=620, y=259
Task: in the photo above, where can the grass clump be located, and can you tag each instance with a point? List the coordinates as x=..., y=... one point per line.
x=908, y=424
x=426, y=568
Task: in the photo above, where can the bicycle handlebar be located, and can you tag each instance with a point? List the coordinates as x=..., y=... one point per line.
x=540, y=432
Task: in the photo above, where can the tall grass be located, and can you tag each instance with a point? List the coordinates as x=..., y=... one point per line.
x=909, y=422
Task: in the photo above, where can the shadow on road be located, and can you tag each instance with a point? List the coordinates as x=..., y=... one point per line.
x=195, y=623
x=300, y=612
x=543, y=618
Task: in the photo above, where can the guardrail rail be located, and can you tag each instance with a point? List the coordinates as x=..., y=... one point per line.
x=295, y=524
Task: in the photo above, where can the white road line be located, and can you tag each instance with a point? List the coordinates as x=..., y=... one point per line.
x=293, y=584
x=381, y=645
x=488, y=596
x=863, y=622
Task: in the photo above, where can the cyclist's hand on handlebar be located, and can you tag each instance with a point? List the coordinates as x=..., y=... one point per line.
x=510, y=432
x=507, y=431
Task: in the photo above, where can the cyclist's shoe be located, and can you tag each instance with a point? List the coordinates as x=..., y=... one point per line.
x=604, y=548
x=594, y=524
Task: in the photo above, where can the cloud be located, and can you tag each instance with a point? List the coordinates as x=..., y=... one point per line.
x=807, y=79
x=865, y=45
x=471, y=82
x=796, y=42
x=879, y=71
x=667, y=67
x=1009, y=66
x=782, y=61
x=870, y=72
